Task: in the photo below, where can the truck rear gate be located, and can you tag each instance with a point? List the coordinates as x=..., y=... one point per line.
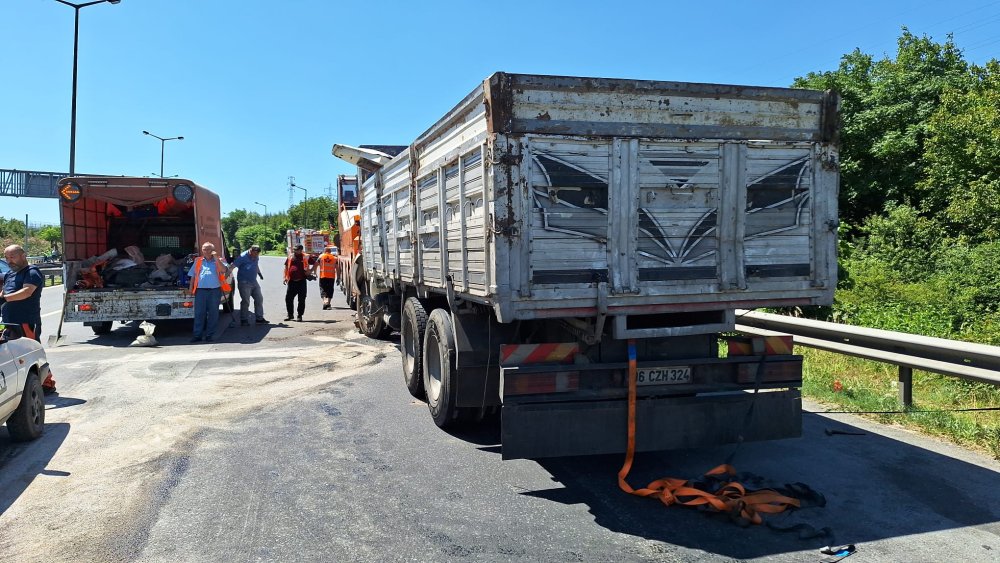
x=550, y=209
x=102, y=305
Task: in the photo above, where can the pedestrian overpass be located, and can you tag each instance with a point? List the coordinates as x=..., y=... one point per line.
x=26, y=183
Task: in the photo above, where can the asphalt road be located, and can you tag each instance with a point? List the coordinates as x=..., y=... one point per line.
x=299, y=442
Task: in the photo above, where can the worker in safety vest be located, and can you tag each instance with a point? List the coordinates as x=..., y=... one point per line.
x=208, y=282
x=298, y=268
x=326, y=265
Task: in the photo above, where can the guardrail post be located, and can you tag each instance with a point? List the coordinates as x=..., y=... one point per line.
x=905, y=386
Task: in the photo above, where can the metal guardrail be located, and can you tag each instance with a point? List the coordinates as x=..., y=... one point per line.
x=966, y=360
x=50, y=275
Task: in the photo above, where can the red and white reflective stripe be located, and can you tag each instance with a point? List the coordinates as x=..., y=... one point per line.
x=523, y=354
x=762, y=345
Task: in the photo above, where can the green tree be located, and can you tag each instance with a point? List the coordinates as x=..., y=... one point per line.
x=50, y=234
x=11, y=228
x=886, y=108
x=320, y=212
x=267, y=237
x=907, y=243
x=963, y=157
x=232, y=222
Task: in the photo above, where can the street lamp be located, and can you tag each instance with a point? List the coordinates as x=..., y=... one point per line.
x=76, y=42
x=305, y=210
x=262, y=205
x=163, y=141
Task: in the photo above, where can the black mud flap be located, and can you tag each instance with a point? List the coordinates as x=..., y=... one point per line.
x=539, y=430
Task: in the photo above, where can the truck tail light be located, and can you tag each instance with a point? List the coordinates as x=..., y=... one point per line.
x=84, y=307
x=537, y=383
x=187, y=304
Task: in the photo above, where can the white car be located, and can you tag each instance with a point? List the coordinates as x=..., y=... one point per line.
x=23, y=367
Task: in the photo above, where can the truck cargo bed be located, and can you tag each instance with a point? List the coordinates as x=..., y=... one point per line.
x=554, y=197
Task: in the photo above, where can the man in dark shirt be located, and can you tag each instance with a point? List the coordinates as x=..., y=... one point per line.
x=297, y=268
x=22, y=294
x=21, y=300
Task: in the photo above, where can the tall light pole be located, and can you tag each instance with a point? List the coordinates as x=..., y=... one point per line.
x=163, y=141
x=305, y=210
x=262, y=205
x=76, y=43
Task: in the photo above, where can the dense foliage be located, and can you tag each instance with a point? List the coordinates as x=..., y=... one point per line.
x=920, y=190
x=243, y=228
x=41, y=241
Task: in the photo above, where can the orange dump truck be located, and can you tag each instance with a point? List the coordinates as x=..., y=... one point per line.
x=128, y=244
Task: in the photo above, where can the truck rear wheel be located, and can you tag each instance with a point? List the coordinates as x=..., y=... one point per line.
x=371, y=317
x=412, y=345
x=439, y=369
x=102, y=328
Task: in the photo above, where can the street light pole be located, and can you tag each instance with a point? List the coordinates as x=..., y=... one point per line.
x=76, y=43
x=262, y=205
x=163, y=141
x=305, y=210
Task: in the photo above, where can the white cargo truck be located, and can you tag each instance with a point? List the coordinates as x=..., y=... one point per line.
x=548, y=226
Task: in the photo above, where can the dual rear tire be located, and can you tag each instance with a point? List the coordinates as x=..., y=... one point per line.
x=414, y=324
x=428, y=347
x=439, y=369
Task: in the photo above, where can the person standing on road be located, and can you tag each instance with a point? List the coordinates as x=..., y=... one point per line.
x=327, y=266
x=208, y=281
x=21, y=299
x=296, y=273
x=248, y=270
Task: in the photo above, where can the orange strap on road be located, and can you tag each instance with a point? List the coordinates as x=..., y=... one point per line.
x=731, y=498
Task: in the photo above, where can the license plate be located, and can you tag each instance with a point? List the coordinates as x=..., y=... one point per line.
x=668, y=375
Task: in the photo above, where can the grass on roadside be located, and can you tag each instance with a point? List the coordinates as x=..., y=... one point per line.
x=854, y=384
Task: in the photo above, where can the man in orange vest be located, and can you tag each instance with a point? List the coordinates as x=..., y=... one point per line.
x=208, y=282
x=327, y=266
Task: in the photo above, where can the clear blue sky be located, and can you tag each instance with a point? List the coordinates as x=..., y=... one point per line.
x=261, y=90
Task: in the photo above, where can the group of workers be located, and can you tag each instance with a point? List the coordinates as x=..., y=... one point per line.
x=21, y=293
x=208, y=278
x=20, y=298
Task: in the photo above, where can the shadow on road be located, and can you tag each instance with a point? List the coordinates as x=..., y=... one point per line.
x=55, y=401
x=926, y=492
x=21, y=462
x=176, y=332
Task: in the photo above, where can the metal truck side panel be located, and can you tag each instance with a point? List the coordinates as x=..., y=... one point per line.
x=209, y=215
x=639, y=108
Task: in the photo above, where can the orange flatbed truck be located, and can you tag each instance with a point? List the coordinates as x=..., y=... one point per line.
x=169, y=216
